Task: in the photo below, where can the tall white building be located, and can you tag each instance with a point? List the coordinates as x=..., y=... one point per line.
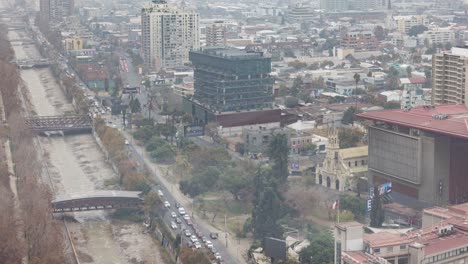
x=168, y=34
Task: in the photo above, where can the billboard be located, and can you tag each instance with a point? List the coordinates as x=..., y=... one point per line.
x=194, y=131
x=383, y=189
x=274, y=248
x=131, y=90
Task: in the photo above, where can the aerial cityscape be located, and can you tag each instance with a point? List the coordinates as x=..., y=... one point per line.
x=213, y=132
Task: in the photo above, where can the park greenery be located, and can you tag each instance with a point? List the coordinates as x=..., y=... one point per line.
x=320, y=250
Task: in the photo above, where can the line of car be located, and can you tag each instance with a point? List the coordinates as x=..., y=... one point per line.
x=196, y=240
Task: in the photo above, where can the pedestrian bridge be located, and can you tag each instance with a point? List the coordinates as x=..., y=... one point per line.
x=97, y=200
x=66, y=123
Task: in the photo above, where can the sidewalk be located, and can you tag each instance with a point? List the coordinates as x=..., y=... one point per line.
x=158, y=174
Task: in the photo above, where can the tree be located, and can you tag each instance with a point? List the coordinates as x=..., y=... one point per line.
x=135, y=105
x=321, y=249
x=349, y=116
x=326, y=64
x=297, y=65
x=377, y=214
x=408, y=71
x=297, y=86
x=152, y=200
x=416, y=30
x=379, y=32
x=308, y=149
x=428, y=75
x=345, y=216
x=291, y=102
x=353, y=204
x=237, y=178
x=165, y=153
x=349, y=137
x=392, y=105
x=278, y=151
x=314, y=66
x=283, y=90
x=190, y=256
x=267, y=205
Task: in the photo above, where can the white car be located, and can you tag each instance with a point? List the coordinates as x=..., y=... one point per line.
x=167, y=204
x=217, y=255
x=197, y=244
x=173, y=215
x=181, y=211
x=194, y=239
x=160, y=193
x=187, y=233
x=173, y=225
x=186, y=217
x=209, y=244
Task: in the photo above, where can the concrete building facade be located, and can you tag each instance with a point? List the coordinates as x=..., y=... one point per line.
x=53, y=11
x=216, y=34
x=422, y=151
x=359, y=40
x=168, y=35
x=449, y=72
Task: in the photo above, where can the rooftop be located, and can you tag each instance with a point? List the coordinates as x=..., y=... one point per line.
x=451, y=120
x=356, y=152
x=230, y=53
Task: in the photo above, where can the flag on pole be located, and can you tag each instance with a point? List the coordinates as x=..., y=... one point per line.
x=336, y=205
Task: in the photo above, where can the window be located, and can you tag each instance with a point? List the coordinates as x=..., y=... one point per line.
x=349, y=163
x=403, y=247
x=376, y=250
x=355, y=163
x=362, y=162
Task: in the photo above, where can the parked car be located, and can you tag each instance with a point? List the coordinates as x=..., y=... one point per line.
x=203, y=239
x=217, y=256
x=187, y=233
x=177, y=205
x=173, y=214
x=174, y=225
x=193, y=238
x=186, y=217
x=160, y=193
x=214, y=235
x=197, y=244
x=178, y=220
x=167, y=204
x=189, y=222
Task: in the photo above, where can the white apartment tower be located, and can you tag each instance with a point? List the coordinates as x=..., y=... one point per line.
x=216, y=34
x=168, y=34
x=449, y=72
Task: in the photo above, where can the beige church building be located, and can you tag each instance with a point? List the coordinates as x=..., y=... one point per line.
x=342, y=168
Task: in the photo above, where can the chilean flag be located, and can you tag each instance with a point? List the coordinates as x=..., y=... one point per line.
x=336, y=205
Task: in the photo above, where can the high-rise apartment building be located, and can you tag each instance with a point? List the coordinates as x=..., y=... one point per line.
x=216, y=34
x=168, y=34
x=449, y=72
x=405, y=23
x=55, y=10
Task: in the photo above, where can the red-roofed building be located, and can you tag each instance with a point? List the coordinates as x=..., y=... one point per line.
x=422, y=151
x=95, y=76
x=444, y=241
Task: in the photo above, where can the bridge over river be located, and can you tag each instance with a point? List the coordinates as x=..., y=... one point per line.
x=97, y=200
